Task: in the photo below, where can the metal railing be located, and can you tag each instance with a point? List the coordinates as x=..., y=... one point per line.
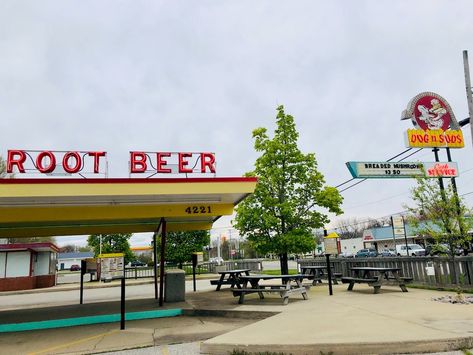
x=205, y=268
x=427, y=271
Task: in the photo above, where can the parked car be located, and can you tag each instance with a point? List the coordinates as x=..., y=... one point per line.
x=387, y=252
x=410, y=250
x=441, y=249
x=347, y=254
x=137, y=263
x=75, y=267
x=217, y=260
x=366, y=253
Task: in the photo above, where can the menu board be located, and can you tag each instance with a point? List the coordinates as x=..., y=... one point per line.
x=111, y=266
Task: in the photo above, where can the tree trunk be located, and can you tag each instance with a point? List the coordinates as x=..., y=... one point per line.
x=283, y=263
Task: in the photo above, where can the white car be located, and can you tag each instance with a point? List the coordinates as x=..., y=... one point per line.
x=410, y=250
x=217, y=260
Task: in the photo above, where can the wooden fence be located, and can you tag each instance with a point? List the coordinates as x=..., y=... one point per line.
x=416, y=267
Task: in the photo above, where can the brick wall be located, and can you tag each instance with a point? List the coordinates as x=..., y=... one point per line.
x=26, y=283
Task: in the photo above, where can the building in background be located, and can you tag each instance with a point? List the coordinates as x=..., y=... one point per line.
x=25, y=266
x=66, y=260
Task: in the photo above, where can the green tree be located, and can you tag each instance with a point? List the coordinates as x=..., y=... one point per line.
x=440, y=215
x=285, y=207
x=181, y=245
x=31, y=240
x=112, y=243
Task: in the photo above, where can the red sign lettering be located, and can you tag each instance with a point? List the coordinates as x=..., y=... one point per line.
x=183, y=162
x=207, y=160
x=15, y=157
x=162, y=163
x=138, y=162
x=52, y=162
x=96, y=156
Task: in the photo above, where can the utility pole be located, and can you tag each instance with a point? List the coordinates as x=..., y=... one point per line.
x=468, y=88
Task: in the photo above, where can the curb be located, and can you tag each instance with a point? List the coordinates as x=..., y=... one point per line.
x=404, y=347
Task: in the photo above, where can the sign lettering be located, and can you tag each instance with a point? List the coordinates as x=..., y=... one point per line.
x=368, y=170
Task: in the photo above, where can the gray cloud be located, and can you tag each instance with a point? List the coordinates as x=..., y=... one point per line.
x=181, y=75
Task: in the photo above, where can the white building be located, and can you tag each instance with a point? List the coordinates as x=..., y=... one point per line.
x=66, y=260
x=25, y=266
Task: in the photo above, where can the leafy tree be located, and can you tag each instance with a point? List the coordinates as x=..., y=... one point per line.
x=85, y=249
x=440, y=215
x=349, y=228
x=146, y=258
x=112, y=243
x=32, y=240
x=69, y=248
x=181, y=245
x=286, y=206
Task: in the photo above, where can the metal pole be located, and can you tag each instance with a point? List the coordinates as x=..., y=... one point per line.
x=122, y=305
x=442, y=188
x=329, y=274
x=161, y=264
x=405, y=235
x=81, y=287
x=83, y=267
x=394, y=235
x=194, y=263
x=155, y=267
x=469, y=97
x=454, y=187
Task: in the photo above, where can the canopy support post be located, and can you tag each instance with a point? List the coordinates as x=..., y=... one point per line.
x=161, y=262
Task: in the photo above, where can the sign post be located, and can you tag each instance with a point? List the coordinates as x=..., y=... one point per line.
x=197, y=258
x=112, y=266
x=331, y=247
x=399, y=230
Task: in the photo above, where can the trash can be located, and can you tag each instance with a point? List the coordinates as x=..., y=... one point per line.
x=174, y=286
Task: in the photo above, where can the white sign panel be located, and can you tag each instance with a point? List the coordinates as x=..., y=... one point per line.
x=331, y=246
x=111, y=266
x=402, y=169
x=398, y=225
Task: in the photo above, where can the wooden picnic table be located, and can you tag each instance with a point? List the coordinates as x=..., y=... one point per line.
x=233, y=278
x=317, y=272
x=291, y=284
x=376, y=277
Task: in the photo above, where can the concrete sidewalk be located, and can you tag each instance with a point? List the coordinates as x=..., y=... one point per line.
x=357, y=322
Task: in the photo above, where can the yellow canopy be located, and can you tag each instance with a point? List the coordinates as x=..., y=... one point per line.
x=51, y=207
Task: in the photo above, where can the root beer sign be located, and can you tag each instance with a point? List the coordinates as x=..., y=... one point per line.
x=82, y=162
x=434, y=122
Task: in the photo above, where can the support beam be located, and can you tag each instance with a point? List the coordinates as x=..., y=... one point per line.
x=155, y=265
x=161, y=262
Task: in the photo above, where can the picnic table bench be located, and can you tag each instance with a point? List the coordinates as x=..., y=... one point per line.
x=291, y=284
x=233, y=278
x=317, y=272
x=376, y=277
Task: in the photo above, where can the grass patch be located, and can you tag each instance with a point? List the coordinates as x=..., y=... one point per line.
x=436, y=288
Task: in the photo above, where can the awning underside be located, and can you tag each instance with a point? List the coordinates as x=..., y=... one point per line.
x=78, y=207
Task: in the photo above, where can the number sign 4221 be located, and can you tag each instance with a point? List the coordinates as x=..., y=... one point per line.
x=198, y=209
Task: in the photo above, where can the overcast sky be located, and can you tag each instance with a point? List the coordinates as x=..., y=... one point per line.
x=201, y=75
